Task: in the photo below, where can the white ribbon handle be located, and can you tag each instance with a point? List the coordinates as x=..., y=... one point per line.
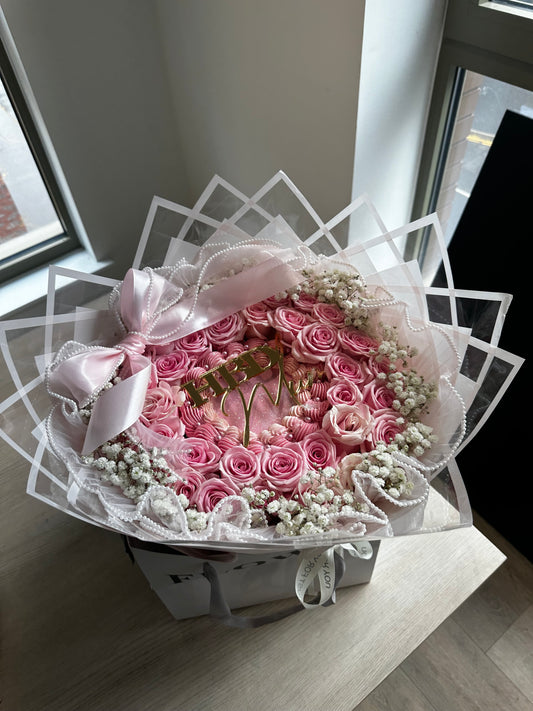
x=318, y=566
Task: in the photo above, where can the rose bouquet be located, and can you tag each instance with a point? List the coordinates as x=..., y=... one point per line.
x=259, y=379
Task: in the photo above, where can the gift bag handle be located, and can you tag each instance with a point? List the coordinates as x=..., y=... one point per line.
x=219, y=608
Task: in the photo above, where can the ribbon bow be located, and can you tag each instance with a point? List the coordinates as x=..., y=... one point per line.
x=153, y=310
x=326, y=567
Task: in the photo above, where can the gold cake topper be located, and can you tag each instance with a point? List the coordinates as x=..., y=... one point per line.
x=229, y=376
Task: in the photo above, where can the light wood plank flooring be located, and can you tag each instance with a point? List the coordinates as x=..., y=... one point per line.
x=480, y=658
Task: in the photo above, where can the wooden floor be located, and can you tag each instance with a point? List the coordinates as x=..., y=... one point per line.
x=480, y=658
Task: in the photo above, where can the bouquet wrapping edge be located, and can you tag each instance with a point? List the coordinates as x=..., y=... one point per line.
x=278, y=257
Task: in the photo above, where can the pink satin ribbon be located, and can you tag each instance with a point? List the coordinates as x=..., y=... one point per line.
x=151, y=305
x=152, y=308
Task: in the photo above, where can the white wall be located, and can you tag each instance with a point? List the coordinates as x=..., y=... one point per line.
x=266, y=85
x=143, y=98
x=96, y=69
x=400, y=50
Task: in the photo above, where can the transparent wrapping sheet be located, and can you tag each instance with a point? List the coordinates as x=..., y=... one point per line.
x=468, y=322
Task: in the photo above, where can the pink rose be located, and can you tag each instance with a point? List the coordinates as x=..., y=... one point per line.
x=343, y=392
x=349, y=425
x=171, y=367
x=342, y=366
x=315, y=342
x=195, y=453
x=356, y=342
x=329, y=314
x=377, y=367
x=377, y=396
x=193, y=344
x=319, y=450
x=211, y=491
x=240, y=465
x=158, y=404
x=289, y=322
x=274, y=301
x=283, y=467
x=256, y=318
x=171, y=427
x=231, y=328
x=346, y=466
x=190, y=485
x=304, y=302
x=386, y=428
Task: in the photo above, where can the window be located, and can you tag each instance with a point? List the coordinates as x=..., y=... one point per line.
x=476, y=118
x=34, y=222
x=485, y=67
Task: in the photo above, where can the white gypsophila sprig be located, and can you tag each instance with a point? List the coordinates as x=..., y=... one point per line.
x=415, y=439
x=346, y=290
x=125, y=463
x=316, y=511
x=380, y=464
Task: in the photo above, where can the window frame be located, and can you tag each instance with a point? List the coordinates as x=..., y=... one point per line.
x=481, y=39
x=54, y=247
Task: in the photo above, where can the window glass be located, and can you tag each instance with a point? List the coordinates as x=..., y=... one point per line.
x=27, y=215
x=481, y=108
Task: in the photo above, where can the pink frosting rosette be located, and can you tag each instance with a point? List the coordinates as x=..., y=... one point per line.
x=211, y=492
x=210, y=359
x=349, y=425
x=299, y=428
x=343, y=392
x=240, y=465
x=319, y=450
x=315, y=342
x=282, y=467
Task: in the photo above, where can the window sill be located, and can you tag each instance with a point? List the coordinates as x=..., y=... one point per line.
x=26, y=291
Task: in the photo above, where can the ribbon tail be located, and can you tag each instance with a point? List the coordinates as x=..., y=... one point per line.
x=116, y=409
x=320, y=566
x=327, y=568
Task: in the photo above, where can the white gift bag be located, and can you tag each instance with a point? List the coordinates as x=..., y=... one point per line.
x=215, y=582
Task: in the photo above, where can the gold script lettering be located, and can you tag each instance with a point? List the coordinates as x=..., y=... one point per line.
x=247, y=366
